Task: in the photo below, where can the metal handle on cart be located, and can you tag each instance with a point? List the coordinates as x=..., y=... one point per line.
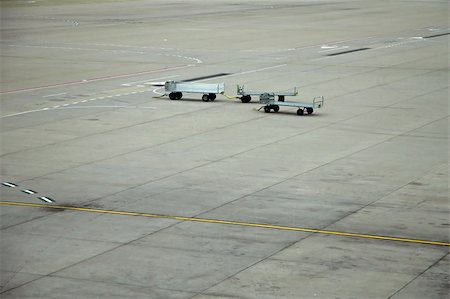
x=318, y=102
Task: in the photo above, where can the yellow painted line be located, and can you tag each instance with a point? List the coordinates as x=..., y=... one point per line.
x=226, y=222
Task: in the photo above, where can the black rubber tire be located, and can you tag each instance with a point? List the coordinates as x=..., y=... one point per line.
x=172, y=96
x=246, y=99
x=205, y=98
x=300, y=111
x=267, y=109
x=309, y=110
x=276, y=108
x=212, y=96
x=178, y=95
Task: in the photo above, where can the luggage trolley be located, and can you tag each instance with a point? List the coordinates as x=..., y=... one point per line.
x=209, y=91
x=270, y=103
x=268, y=99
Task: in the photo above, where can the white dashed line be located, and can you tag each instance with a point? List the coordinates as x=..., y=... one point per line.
x=7, y=184
x=46, y=199
x=27, y=191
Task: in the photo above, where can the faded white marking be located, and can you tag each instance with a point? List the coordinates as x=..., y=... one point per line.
x=251, y=71
x=197, y=60
x=88, y=107
x=25, y=112
x=414, y=40
x=54, y=95
x=328, y=47
x=65, y=105
x=334, y=49
x=96, y=79
x=77, y=49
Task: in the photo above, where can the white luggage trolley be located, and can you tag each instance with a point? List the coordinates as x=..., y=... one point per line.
x=175, y=89
x=271, y=104
x=268, y=99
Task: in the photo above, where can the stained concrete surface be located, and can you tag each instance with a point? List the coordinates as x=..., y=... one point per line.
x=81, y=124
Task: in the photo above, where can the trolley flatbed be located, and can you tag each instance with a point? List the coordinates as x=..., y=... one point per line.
x=246, y=96
x=302, y=106
x=268, y=99
x=175, y=89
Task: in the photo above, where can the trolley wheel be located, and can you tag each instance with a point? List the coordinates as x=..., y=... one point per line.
x=309, y=110
x=276, y=108
x=212, y=96
x=266, y=109
x=172, y=96
x=300, y=111
x=178, y=95
x=205, y=98
x=246, y=99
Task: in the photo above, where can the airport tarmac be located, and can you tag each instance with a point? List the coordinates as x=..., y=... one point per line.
x=109, y=191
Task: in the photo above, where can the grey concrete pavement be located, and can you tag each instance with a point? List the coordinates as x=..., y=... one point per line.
x=81, y=125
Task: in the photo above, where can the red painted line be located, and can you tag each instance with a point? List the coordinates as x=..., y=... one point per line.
x=93, y=79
